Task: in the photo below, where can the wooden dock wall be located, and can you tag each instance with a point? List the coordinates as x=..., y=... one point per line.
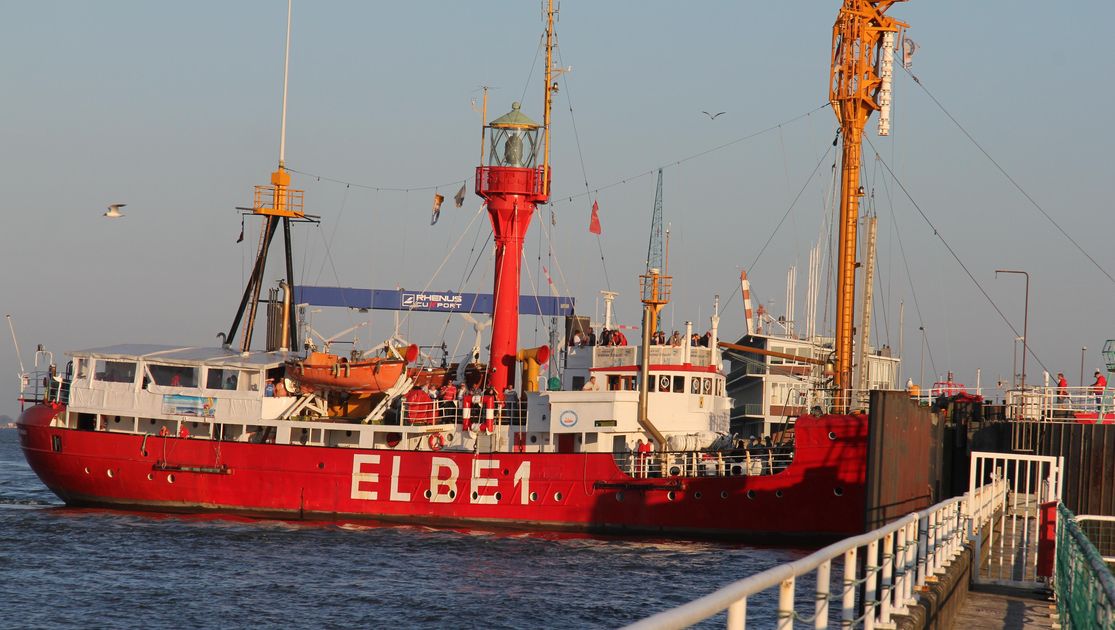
x=905, y=458
x=1089, y=452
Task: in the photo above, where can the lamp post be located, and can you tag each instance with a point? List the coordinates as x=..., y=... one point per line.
x=1083, y=349
x=1025, y=325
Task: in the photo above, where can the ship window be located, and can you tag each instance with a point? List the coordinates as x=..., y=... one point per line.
x=218, y=378
x=706, y=386
x=696, y=385
x=679, y=384
x=115, y=371
x=173, y=375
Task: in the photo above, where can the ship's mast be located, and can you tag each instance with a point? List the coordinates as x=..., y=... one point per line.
x=276, y=201
x=855, y=82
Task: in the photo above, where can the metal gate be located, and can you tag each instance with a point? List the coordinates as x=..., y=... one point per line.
x=1007, y=549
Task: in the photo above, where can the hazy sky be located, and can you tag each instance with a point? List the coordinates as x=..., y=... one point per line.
x=173, y=109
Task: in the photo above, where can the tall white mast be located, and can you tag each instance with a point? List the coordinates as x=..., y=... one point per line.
x=286, y=76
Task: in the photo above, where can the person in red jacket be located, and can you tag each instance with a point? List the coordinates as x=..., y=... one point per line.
x=1062, y=389
x=1097, y=390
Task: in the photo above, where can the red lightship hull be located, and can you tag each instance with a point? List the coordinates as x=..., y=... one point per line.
x=819, y=496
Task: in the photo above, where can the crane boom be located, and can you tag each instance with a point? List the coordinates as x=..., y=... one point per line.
x=854, y=84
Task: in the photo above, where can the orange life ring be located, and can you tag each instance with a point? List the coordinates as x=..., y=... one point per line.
x=436, y=441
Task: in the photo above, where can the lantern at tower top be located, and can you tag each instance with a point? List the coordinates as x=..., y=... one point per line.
x=513, y=140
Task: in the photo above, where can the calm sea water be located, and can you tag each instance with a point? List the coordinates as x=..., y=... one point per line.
x=66, y=567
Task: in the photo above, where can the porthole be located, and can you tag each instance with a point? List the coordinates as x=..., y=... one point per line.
x=87, y=470
x=321, y=465
x=697, y=495
x=723, y=494
x=109, y=473
x=150, y=477
x=751, y=494
x=670, y=496
x=533, y=496
x=116, y=419
x=475, y=496
x=170, y=478
x=506, y=472
x=452, y=494
x=449, y=437
x=557, y=496
x=619, y=497
x=832, y=435
x=778, y=494
x=675, y=471
x=428, y=495
x=499, y=497
x=533, y=439
x=838, y=491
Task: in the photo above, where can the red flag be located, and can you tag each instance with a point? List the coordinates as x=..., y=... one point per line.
x=594, y=222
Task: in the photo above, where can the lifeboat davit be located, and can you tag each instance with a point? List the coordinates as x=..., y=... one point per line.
x=323, y=370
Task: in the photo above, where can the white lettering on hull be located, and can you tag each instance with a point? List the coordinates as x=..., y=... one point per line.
x=395, y=494
x=478, y=482
x=443, y=490
x=358, y=477
x=444, y=475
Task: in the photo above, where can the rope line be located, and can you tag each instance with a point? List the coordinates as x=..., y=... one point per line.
x=952, y=252
x=1013, y=182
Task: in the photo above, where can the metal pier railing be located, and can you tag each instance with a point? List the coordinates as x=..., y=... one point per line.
x=896, y=561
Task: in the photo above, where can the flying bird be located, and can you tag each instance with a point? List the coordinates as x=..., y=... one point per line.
x=712, y=116
x=114, y=211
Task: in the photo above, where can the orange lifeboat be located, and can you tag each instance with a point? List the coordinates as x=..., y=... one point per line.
x=322, y=370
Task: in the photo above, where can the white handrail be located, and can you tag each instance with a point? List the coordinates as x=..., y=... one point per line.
x=923, y=543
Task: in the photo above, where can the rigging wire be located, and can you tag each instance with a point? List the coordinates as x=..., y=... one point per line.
x=1013, y=182
x=620, y=182
x=581, y=157
x=909, y=275
x=569, y=197
x=952, y=252
x=789, y=209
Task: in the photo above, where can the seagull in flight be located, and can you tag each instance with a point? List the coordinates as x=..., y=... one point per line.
x=114, y=211
x=712, y=116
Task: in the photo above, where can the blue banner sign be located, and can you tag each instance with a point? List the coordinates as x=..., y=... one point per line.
x=438, y=301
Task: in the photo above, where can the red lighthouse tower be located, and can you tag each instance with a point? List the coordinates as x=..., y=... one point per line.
x=512, y=183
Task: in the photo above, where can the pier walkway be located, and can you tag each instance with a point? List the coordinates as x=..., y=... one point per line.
x=1002, y=608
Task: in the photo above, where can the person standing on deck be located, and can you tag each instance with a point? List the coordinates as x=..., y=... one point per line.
x=1062, y=389
x=1098, y=388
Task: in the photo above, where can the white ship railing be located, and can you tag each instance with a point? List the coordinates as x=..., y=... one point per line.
x=457, y=411
x=898, y=559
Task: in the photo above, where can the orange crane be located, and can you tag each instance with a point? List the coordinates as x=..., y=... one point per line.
x=859, y=84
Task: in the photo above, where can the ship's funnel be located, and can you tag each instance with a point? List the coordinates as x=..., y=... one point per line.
x=532, y=359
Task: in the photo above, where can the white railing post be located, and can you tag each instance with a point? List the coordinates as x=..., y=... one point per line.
x=786, y=604
x=871, y=586
x=737, y=614
x=901, y=571
x=824, y=579
x=886, y=591
x=848, y=599
x=923, y=539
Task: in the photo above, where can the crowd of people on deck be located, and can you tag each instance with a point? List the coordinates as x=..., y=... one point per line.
x=615, y=337
x=471, y=406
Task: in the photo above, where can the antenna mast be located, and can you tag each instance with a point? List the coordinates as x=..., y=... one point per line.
x=855, y=82
x=274, y=202
x=655, y=253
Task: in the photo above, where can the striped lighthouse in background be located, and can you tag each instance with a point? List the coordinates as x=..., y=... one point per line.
x=745, y=286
